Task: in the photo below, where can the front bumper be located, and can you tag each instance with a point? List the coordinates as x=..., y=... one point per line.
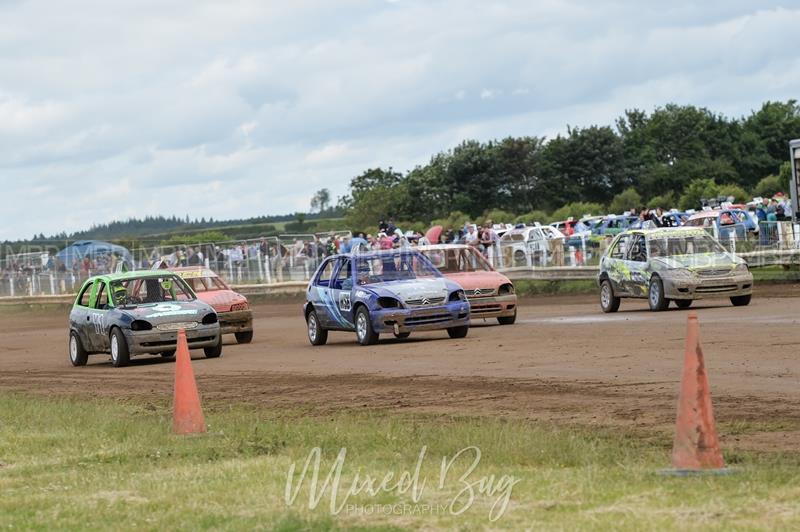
x=699, y=287
x=235, y=321
x=453, y=314
x=155, y=341
x=493, y=306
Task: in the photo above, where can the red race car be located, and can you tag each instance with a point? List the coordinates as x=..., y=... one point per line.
x=233, y=310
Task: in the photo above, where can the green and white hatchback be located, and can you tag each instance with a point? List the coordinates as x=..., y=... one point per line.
x=671, y=264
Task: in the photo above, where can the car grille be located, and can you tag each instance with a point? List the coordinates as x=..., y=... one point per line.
x=481, y=309
x=713, y=272
x=424, y=301
x=176, y=325
x=430, y=318
x=715, y=289
x=480, y=292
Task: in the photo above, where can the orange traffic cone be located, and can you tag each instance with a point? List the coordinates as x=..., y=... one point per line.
x=187, y=414
x=696, y=446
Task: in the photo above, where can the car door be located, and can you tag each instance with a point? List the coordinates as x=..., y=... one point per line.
x=341, y=293
x=614, y=264
x=80, y=315
x=637, y=265
x=98, y=326
x=320, y=293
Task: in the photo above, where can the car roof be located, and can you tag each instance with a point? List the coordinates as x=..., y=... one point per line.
x=191, y=272
x=666, y=231
x=139, y=274
x=377, y=253
x=437, y=247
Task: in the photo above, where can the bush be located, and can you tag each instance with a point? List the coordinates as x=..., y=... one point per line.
x=533, y=217
x=203, y=237
x=455, y=220
x=696, y=190
x=769, y=186
x=577, y=210
x=300, y=227
x=665, y=201
x=739, y=194
x=495, y=215
x=625, y=201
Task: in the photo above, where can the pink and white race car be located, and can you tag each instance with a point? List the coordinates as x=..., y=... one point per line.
x=233, y=309
x=490, y=293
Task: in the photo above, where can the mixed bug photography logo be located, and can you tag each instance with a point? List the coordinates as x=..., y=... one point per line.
x=453, y=489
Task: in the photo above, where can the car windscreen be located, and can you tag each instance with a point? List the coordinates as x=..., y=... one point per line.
x=150, y=290
x=458, y=260
x=393, y=267
x=671, y=246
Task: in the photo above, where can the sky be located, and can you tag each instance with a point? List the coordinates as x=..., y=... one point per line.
x=240, y=108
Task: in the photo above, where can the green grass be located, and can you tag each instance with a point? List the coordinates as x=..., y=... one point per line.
x=77, y=464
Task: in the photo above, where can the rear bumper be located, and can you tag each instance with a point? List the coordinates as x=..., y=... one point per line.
x=698, y=288
x=493, y=307
x=154, y=341
x=454, y=314
x=236, y=321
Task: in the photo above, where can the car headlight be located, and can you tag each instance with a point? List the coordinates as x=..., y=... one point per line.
x=458, y=295
x=681, y=273
x=388, y=302
x=741, y=268
x=141, y=325
x=506, y=289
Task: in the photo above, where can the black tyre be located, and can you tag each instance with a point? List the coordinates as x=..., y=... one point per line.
x=608, y=301
x=167, y=354
x=508, y=320
x=655, y=295
x=683, y=303
x=519, y=257
x=402, y=335
x=77, y=354
x=120, y=356
x=244, y=337
x=364, y=331
x=458, y=332
x=214, y=351
x=316, y=334
x=741, y=301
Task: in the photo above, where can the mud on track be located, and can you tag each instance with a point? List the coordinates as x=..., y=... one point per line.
x=563, y=361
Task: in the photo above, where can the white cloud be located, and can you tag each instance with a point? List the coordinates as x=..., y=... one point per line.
x=243, y=109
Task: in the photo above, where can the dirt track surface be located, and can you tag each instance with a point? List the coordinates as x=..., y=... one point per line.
x=564, y=361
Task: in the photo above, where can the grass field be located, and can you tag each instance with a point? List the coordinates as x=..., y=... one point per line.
x=73, y=463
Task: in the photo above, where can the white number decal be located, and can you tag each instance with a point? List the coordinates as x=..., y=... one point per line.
x=344, y=301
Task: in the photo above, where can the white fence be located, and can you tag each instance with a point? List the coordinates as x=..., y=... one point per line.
x=296, y=257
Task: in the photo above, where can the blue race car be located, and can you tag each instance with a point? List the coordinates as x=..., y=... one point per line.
x=397, y=291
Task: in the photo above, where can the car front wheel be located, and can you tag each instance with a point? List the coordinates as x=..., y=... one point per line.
x=656, y=295
x=741, y=301
x=120, y=356
x=364, y=332
x=458, y=332
x=244, y=337
x=215, y=350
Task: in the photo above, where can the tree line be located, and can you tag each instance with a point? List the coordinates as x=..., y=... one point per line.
x=670, y=157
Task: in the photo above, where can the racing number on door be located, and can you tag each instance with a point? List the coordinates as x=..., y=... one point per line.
x=98, y=321
x=344, y=301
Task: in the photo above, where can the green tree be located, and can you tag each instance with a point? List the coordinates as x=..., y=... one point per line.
x=739, y=194
x=320, y=200
x=626, y=200
x=533, y=217
x=577, y=210
x=696, y=190
x=665, y=201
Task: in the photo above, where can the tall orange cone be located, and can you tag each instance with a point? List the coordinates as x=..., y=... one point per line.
x=696, y=446
x=187, y=413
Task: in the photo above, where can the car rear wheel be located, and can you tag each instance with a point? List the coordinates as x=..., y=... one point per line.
x=364, y=332
x=316, y=334
x=215, y=350
x=120, y=356
x=458, y=332
x=244, y=337
x=508, y=320
x=683, y=303
x=77, y=354
x=741, y=301
x=655, y=295
x=608, y=302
